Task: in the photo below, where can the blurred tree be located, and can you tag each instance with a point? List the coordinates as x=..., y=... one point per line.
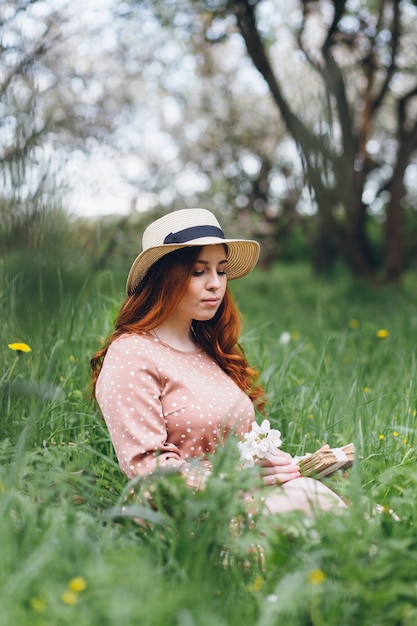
x=230, y=104
x=353, y=121
x=365, y=63
x=62, y=88
x=220, y=141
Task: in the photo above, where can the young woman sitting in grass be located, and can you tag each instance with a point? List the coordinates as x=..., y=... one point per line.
x=172, y=381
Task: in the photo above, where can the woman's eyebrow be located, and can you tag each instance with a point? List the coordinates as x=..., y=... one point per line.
x=222, y=262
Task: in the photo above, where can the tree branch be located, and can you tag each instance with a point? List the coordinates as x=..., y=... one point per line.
x=339, y=9
x=333, y=77
x=245, y=16
x=395, y=40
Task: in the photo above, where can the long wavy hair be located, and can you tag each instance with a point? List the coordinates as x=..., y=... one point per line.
x=157, y=297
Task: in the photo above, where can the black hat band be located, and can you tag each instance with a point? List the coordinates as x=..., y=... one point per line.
x=194, y=232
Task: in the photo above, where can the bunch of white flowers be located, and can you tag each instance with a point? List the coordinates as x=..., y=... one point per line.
x=258, y=442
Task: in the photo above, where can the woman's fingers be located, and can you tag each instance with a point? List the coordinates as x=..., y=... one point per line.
x=278, y=474
x=288, y=468
x=276, y=458
x=279, y=468
x=281, y=476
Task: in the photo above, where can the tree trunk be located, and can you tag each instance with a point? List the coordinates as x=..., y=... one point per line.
x=394, y=235
x=394, y=229
x=338, y=175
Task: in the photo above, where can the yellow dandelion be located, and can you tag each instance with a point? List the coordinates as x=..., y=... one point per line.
x=382, y=333
x=366, y=390
x=77, y=584
x=405, y=440
x=38, y=605
x=257, y=584
x=395, y=433
x=381, y=437
x=20, y=347
x=316, y=577
x=311, y=416
x=69, y=597
x=353, y=324
x=73, y=359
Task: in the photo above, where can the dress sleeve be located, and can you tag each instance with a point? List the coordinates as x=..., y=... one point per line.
x=128, y=392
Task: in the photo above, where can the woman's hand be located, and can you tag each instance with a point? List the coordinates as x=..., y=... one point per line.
x=278, y=468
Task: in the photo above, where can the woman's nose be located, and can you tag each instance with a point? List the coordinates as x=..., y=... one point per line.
x=213, y=280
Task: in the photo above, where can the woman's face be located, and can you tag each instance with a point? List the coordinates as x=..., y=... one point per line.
x=207, y=286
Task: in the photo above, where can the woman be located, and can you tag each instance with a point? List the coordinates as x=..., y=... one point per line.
x=171, y=380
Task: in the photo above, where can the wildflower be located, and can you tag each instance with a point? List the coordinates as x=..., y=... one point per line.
x=386, y=510
x=73, y=359
x=316, y=577
x=77, y=584
x=272, y=597
x=284, y=338
x=353, y=324
x=20, y=347
x=257, y=584
x=38, y=605
x=69, y=597
x=395, y=433
x=311, y=416
x=257, y=443
x=382, y=333
x=295, y=335
x=366, y=390
x=381, y=437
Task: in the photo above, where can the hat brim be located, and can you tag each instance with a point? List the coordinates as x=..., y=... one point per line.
x=242, y=257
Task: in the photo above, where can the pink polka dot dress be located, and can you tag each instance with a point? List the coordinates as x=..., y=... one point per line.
x=164, y=407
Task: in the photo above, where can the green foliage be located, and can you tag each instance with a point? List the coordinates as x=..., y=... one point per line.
x=69, y=519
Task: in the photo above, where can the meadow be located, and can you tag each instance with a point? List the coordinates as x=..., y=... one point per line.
x=338, y=360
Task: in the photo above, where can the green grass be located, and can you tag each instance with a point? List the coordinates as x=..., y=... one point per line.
x=66, y=510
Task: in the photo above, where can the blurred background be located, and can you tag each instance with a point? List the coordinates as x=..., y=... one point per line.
x=294, y=121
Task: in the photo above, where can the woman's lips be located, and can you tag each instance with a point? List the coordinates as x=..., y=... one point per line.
x=211, y=301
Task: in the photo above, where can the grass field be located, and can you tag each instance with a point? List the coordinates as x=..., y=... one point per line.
x=338, y=360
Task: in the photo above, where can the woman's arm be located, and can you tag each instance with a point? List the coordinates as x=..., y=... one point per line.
x=128, y=392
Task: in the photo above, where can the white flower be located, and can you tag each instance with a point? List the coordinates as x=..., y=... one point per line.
x=247, y=453
x=284, y=338
x=258, y=442
x=263, y=429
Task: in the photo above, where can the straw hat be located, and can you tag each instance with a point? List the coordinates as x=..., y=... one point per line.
x=184, y=229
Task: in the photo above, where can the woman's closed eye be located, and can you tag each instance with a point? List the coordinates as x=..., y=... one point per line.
x=220, y=272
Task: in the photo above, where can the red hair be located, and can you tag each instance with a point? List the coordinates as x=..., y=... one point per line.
x=155, y=299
